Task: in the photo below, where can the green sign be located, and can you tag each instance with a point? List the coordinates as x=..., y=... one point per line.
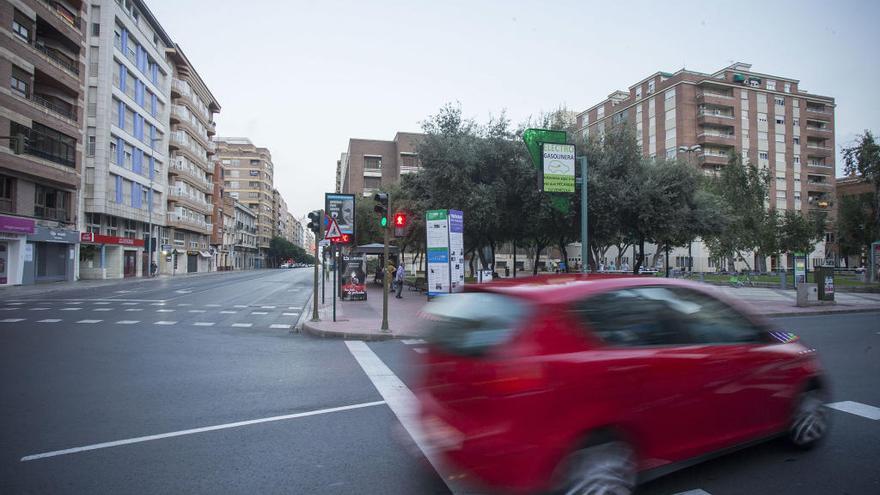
x=436, y=214
x=534, y=138
x=557, y=165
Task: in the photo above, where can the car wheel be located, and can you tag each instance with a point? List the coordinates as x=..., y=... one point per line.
x=607, y=468
x=810, y=420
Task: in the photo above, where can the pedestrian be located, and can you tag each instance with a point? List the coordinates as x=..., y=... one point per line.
x=400, y=278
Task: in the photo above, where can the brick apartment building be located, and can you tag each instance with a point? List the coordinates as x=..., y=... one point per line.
x=43, y=61
x=369, y=164
x=769, y=119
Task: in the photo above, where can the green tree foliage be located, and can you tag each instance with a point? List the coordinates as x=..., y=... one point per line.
x=862, y=159
x=800, y=233
x=856, y=225
x=281, y=250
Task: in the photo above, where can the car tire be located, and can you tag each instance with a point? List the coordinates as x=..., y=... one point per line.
x=810, y=420
x=606, y=467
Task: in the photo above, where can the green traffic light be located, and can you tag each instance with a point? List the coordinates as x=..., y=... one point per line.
x=384, y=221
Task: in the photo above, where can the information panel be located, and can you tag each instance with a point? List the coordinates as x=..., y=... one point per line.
x=557, y=161
x=456, y=251
x=437, y=231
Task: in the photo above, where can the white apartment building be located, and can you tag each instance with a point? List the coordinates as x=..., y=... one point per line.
x=127, y=128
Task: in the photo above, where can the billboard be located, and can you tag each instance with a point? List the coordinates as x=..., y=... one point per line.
x=557, y=167
x=341, y=208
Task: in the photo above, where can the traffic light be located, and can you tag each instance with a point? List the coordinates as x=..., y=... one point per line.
x=381, y=208
x=344, y=239
x=315, y=221
x=399, y=219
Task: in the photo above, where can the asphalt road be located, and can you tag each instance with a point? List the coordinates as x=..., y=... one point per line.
x=153, y=364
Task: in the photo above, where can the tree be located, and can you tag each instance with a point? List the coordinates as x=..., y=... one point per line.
x=862, y=159
x=799, y=233
x=281, y=250
x=856, y=225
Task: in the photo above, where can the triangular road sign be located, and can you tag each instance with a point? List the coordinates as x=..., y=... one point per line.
x=333, y=231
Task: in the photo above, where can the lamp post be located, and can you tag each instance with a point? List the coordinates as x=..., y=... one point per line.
x=690, y=150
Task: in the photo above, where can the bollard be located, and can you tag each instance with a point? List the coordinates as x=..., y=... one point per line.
x=782, y=280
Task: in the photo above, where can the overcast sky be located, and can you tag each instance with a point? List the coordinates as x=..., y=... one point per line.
x=301, y=78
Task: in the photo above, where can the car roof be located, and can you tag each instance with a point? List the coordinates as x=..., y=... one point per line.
x=561, y=289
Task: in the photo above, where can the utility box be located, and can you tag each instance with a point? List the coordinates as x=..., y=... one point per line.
x=824, y=276
x=807, y=295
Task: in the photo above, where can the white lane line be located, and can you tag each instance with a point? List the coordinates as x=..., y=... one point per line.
x=50, y=320
x=857, y=408
x=192, y=431
x=39, y=309
x=9, y=309
x=135, y=309
x=228, y=312
x=70, y=309
x=204, y=323
x=157, y=304
x=267, y=307
x=197, y=311
x=164, y=310
x=242, y=325
x=289, y=314
x=184, y=304
x=127, y=322
x=15, y=304
x=294, y=307
x=259, y=313
x=73, y=302
x=278, y=325
x=420, y=350
x=402, y=402
x=90, y=321
x=103, y=309
x=165, y=323
x=102, y=302
x=212, y=305
x=129, y=304
x=12, y=320
x=413, y=341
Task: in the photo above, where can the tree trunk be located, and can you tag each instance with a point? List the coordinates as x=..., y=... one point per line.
x=561, y=246
x=514, y=259
x=637, y=263
x=538, y=249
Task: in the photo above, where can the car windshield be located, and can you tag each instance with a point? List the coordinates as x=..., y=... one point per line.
x=473, y=323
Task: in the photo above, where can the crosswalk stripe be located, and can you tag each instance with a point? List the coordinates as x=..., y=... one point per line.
x=259, y=313
x=240, y=306
x=857, y=408
x=420, y=350
x=12, y=320
x=127, y=322
x=129, y=304
x=197, y=311
x=228, y=312
x=289, y=314
x=413, y=341
x=90, y=321
x=278, y=325
x=268, y=307
x=50, y=320
x=39, y=309
x=204, y=323
x=135, y=309
x=164, y=310
x=102, y=309
x=70, y=309
x=102, y=303
x=693, y=492
x=165, y=323
x=242, y=325
x=212, y=305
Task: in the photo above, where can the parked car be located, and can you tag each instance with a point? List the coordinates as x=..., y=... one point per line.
x=284, y=265
x=594, y=384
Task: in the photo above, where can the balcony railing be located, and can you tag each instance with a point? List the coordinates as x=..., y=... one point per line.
x=816, y=146
x=65, y=15
x=717, y=135
x=175, y=217
x=710, y=113
x=181, y=87
x=818, y=109
x=701, y=94
x=62, y=60
x=53, y=106
x=818, y=129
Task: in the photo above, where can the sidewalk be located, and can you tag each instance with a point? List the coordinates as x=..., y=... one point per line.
x=360, y=320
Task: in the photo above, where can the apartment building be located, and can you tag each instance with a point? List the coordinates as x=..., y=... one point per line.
x=704, y=117
x=279, y=214
x=244, y=251
x=43, y=59
x=126, y=130
x=223, y=236
x=293, y=230
x=248, y=177
x=369, y=164
x=190, y=222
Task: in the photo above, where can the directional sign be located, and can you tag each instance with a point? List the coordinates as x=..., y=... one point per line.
x=333, y=231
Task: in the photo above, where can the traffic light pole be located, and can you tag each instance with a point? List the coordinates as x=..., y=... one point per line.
x=315, y=292
x=385, y=276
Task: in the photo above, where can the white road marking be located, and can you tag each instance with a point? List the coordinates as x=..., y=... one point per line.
x=857, y=408
x=420, y=350
x=259, y=313
x=184, y=304
x=135, y=309
x=228, y=312
x=90, y=321
x=12, y=320
x=183, y=291
x=103, y=309
x=240, y=306
x=15, y=304
x=413, y=341
x=212, y=305
x=157, y=304
x=402, y=402
x=268, y=307
x=123, y=291
x=197, y=311
x=278, y=325
x=8, y=309
x=204, y=323
x=192, y=431
x=73, y=302
x=165, y=323
x=70, y=309
x=39, y=309
x=243, y=325
x=127, y=322
x=289, y=314
x=294, y=307
x=50, y=320
x=102, y=302
x=129, y=304
x=164, y=310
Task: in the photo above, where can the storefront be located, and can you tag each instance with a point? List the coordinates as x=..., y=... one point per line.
x=109, y=257
x=50, y=255
x=13, y=241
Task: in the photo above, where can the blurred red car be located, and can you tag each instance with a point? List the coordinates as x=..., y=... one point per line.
x=593, y=385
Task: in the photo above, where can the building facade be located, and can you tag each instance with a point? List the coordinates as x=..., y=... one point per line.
x=191, y=174
x=248, y=177
x=705, y=118
x=369, y=164
x=124, y=182
x=245, y=250
x=279, y=214
x=43, y=58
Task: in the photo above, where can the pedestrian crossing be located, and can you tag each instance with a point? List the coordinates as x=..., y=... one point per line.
x=158, y=313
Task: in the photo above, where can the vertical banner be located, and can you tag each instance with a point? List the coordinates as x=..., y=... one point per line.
x=437, y=230
x=456, y=251
x=341, y=208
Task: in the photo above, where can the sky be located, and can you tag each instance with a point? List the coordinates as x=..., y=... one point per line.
x=301, y=78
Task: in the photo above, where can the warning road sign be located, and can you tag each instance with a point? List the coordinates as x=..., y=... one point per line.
x=333, y=231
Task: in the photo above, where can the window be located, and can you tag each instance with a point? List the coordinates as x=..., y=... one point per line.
x=780, y=101
x=650, y=87
x=600, y=112
x=796, y=140
x=612, y=319
x=787, y=87
x=780, y=138
x=755, y=83
x=47, y=143
x=762, y=117
x=762, y=155
x=639, y=92
x=670, y=94
x=797, y=159
x=19, y=82
x=780, y=194
x=51, y=203
x=409, y=160
x=373, y=162
x=7, y=194
x=771, y=85
x=780, y=120
x=90, y=145
x=372, y=182
x=96, y=29
x=21, y=26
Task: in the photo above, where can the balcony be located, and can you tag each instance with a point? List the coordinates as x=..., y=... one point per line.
x=58, y=58
x=814, y=126
x=713, y=158
x=819, y=109
x=714, y=118
x=180, y=88
x=715, y=97
x=212, y=128
x=62, y=13
x=47, y=143
x=716, y=138
x=66, y=111
x=178, y=196
x=181, y=167
x=818, y=163
x=181, y=221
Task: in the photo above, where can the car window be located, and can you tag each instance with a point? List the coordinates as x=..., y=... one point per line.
x=472, y=323
x=630, y=317
x=710, y=321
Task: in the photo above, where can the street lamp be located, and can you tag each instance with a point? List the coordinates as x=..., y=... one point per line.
x=150, y=210
x=689, y=150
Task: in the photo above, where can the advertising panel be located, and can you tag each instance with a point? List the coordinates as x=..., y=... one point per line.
x=437, y=230
x=456, y=250
x=557, y=164
x=341, y=208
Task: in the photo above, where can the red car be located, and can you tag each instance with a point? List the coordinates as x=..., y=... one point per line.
x=594, y=384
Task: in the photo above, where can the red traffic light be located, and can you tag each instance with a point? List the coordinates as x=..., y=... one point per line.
x=400, y=219
x=344, y=239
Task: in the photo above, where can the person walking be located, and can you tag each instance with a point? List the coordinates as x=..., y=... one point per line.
x=400, y=277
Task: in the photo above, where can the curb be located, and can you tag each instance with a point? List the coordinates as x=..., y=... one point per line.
x=315, y=331
x=824, y=312
x=302, y=315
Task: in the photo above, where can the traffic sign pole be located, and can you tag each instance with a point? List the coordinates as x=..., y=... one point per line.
x=585, y=258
